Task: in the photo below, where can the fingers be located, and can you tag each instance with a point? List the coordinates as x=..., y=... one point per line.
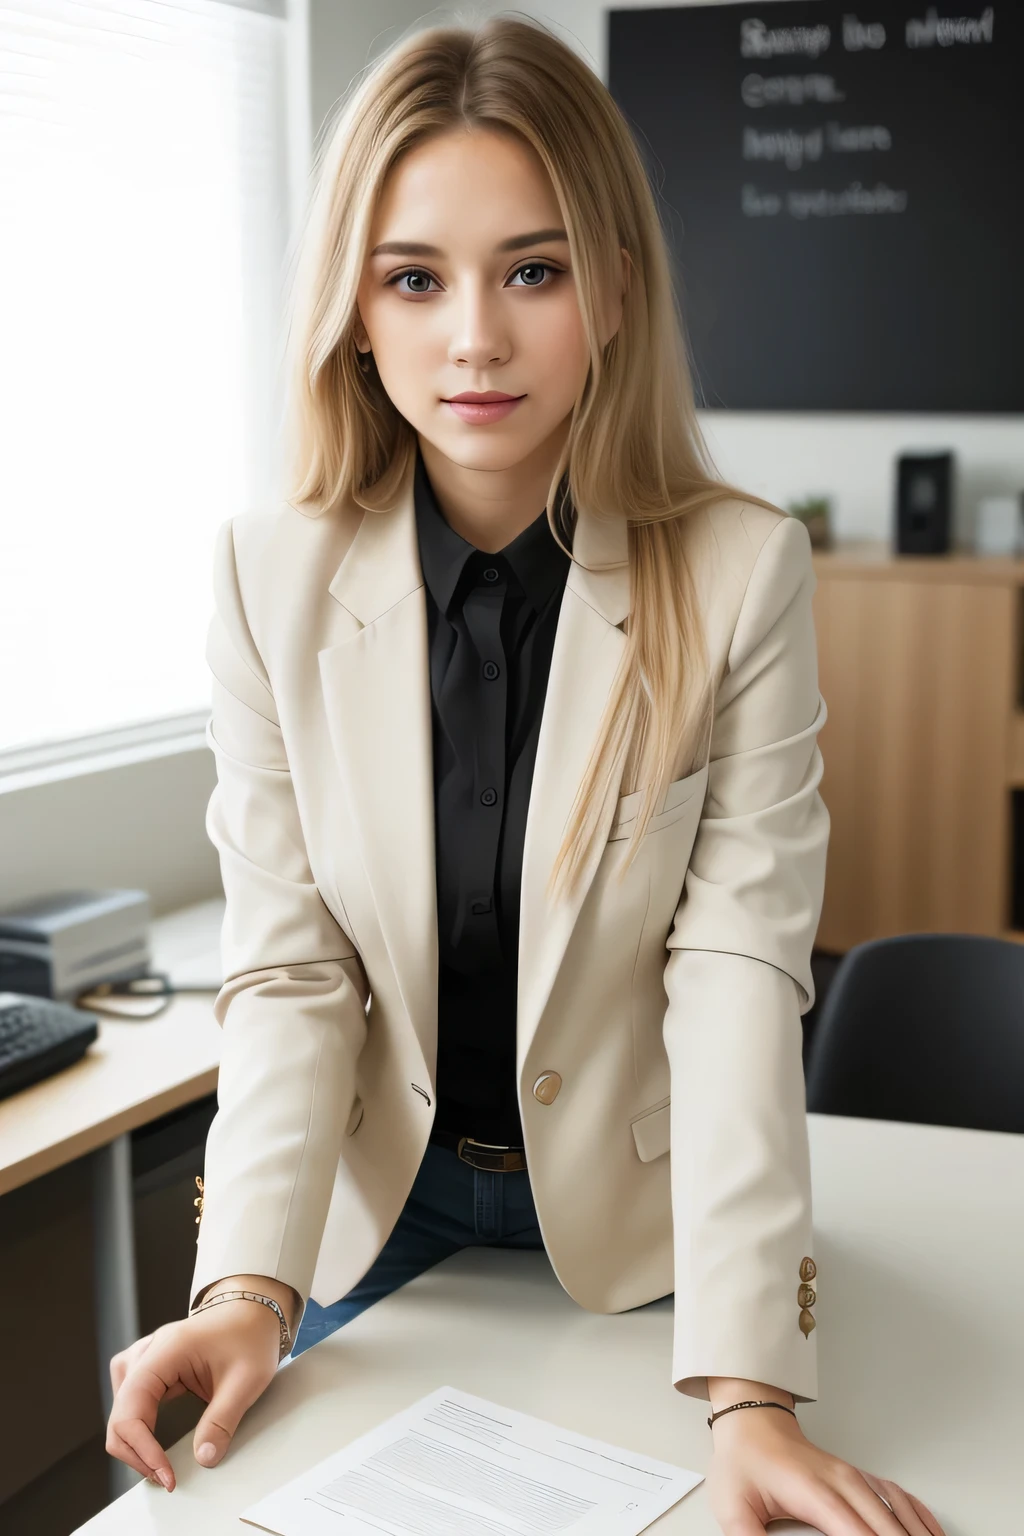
x=910, y=1514
x=122, y=1362
x=914, y=1516
x=237, y=1391
x=115, y=1446
x=132, y=1420
x=886, y=1507
x=740, y=1521
x=831, y=1512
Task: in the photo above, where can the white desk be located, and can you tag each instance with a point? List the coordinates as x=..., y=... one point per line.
x=920, y=1252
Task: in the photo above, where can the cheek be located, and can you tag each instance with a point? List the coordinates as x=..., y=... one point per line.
x=557, y=341
x=407, y=361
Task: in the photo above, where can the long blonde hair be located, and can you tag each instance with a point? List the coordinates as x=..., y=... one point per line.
x=634, y=449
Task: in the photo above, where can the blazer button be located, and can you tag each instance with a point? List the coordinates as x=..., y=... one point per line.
x=546, y=1087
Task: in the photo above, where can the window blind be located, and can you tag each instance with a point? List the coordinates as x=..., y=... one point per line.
x=144, y=203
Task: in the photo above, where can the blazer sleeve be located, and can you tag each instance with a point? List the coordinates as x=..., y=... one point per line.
x=738, y=978
x=292, y=1006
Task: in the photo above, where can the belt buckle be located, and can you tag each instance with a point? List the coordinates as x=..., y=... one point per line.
x=492, y=1157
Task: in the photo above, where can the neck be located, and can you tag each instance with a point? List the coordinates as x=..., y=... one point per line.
x=491, y=507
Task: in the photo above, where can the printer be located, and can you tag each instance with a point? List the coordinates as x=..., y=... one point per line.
x=62, y=944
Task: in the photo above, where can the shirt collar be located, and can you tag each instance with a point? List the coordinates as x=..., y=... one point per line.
x=538, y=563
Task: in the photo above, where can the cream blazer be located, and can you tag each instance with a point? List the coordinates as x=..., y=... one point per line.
x=664, y=1010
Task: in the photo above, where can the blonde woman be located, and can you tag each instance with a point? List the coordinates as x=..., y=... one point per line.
x=515, y=711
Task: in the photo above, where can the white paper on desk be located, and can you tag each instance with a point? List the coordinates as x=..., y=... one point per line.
x=458, y=1465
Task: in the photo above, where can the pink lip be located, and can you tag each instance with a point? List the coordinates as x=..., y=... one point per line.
x=481, y=412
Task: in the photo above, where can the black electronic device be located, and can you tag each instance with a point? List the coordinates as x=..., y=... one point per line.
x=39, y=1037
x=924, y=493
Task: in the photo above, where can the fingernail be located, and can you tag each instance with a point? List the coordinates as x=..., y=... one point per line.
x=165, y=1478
x=207, y=1453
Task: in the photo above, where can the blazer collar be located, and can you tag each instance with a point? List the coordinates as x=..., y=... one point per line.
x=382, y=563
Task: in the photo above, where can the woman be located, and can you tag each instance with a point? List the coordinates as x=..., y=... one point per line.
x=515, y=714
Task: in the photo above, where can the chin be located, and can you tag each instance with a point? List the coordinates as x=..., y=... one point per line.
x=484, y=448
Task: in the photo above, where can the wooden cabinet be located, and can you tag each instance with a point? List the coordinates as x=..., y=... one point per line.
x=920, y=667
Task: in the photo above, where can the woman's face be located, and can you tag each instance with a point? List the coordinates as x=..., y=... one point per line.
x=481, y=297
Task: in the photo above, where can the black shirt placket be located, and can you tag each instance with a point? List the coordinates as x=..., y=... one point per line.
x=484, y=703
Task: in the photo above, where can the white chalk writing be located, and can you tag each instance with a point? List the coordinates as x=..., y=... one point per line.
x=858, y=34
x=947, y=30
x=786, y=144
x=821, y=202
x=824, y=203
x=859, y=139
x=759, y=205
x=788, y=90
x=760, y=42
x=795, y=146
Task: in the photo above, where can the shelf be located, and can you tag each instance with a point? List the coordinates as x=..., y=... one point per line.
x=876, y=558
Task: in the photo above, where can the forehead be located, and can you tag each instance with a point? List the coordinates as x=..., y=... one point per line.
x=478, y=185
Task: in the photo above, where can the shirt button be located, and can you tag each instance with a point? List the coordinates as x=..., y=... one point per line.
x=490, y=574
x=491, y=670
x=546, y=1087
x=488, y=797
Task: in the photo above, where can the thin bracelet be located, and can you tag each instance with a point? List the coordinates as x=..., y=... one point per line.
x=268, y=1301
x=749, y=1404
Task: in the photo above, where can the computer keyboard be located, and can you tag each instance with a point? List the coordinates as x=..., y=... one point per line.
x=39, y=1036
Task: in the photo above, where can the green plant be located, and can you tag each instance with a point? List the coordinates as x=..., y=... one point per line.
x=811, y=506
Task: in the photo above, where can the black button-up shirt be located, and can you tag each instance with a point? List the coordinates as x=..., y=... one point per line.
x=491, y=628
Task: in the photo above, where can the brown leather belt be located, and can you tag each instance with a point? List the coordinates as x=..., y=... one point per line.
x=488, y=1156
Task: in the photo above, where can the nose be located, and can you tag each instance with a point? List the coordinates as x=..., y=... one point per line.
x=478, y=335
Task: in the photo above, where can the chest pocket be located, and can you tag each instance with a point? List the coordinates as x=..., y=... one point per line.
x=676, y=804
x=652, y=1131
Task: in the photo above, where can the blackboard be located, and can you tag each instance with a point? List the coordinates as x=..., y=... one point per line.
x=843, y=191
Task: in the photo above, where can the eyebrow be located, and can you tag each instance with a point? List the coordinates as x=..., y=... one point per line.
x=514, y=243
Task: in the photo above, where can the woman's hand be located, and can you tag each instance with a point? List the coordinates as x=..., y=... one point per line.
x=227, y=1356
x=764, y=1468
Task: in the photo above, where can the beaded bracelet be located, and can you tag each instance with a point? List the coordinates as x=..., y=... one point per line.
x=268, y=1301
x=749, y=1404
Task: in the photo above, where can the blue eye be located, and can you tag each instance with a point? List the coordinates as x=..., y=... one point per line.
x=542, y=266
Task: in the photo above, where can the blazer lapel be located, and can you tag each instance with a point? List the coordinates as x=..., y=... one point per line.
x=587, y=650
x=376, y=686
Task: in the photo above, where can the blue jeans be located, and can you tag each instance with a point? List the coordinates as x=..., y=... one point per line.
x=450, y=1206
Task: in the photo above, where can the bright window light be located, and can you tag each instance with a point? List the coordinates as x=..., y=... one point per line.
x=144, y=197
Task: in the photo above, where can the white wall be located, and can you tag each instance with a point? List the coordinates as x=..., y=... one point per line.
x=780, y=455
x=139, y=826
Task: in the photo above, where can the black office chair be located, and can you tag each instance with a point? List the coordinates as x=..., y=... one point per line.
x=924, y=1027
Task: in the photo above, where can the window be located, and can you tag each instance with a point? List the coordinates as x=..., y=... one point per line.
x=144, y=186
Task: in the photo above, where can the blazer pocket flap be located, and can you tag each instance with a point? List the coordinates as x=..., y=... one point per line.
x=651, y=1131
x=677, y=796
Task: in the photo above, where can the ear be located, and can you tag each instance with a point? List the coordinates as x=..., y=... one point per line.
x=359, y=335
x=613, y=313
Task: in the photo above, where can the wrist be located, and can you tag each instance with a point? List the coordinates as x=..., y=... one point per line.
x=725, y=1390
x=286, y=1297
x=745, y=1424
